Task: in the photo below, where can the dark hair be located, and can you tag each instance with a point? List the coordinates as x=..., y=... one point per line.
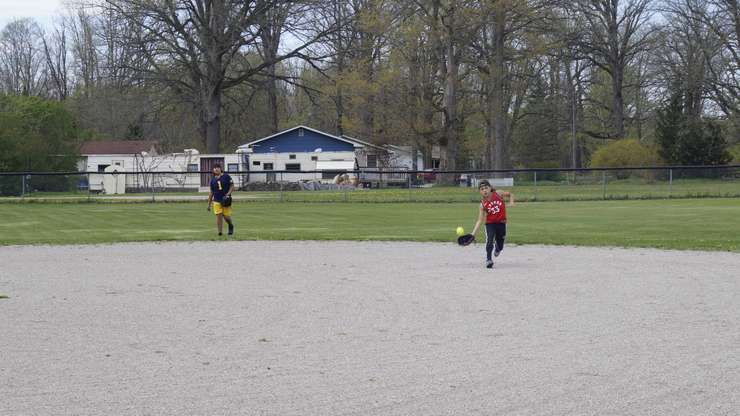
x=484, y=183
x=217, y=165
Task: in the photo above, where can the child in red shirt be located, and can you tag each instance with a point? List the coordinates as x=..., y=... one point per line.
x=493, y=212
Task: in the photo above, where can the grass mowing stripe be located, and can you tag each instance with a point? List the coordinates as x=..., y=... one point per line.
x=705, y=224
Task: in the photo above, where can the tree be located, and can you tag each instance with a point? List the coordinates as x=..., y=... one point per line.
x=56, y=53
x=616, y=32
x=271, y=29
x=702, y=143
x=35, y=135
x=202, y=48
x=685, y=140
x=671, y=121
x=722, y=18
x=21, y=58
x=508, y=48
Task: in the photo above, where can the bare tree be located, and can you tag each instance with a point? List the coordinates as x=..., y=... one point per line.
x=201, y=48
x=82, y=30
x=688, y=47
x=722, y=18
x=271, y=30
x=616, y=32
x=504, y=52
x=22, y=65
x=56, y=52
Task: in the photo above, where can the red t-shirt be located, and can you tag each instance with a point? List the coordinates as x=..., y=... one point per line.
x=495, y=209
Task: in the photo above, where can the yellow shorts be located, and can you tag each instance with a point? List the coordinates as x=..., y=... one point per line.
x=218, y=209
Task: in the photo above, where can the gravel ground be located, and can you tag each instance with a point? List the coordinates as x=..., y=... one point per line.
x=336, y=328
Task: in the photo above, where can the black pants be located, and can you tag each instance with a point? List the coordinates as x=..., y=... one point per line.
x=497, y=232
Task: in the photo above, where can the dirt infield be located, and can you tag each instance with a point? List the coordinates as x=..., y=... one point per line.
x=317, y=328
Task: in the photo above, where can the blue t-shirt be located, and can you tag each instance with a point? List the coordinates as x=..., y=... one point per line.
x=220, y=186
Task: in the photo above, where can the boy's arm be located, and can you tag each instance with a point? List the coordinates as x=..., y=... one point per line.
x=231, y=188
x=481, y=218
x=210, y=200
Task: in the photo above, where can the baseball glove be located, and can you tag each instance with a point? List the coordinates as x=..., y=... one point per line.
x=465, y=240
x=226, y=202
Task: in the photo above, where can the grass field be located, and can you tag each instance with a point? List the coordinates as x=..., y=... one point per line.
x=702, y=224
x=585, y=189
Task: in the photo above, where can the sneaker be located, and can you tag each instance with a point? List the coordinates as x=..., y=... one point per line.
x=496, y=253
x=231, y=229
x=489, y=264
x=220, y=234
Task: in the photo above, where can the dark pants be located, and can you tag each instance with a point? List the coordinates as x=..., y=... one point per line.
x=497, y=232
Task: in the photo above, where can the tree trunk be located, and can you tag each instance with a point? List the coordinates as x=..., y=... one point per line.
x=498, y=114
x=272, y=100
x=452, y=121
x=618, y=101
x=213, y=121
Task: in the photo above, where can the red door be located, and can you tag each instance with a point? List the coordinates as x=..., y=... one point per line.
x=206, y=165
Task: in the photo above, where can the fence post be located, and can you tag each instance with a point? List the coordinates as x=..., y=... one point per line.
x=346, y=191
x=408, y=183
x=603, y=179
x=535, y=185
x=23, y=185
x=670, y=182
x=282, y=196
x=88, y=186
x=151, y=183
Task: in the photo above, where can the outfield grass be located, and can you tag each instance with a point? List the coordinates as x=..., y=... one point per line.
x=706, y=224
x=586, y=188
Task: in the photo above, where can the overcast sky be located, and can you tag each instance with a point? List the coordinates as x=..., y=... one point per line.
x=41, y=10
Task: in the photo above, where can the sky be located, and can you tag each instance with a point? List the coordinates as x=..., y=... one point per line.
x=41, y=10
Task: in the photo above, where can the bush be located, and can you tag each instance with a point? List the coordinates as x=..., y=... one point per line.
x=626, y=152
x=35, y=135
x=689, y=141
x=735, y=152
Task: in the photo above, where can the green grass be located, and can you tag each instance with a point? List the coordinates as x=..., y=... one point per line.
x=706, y=224
x=586, y=188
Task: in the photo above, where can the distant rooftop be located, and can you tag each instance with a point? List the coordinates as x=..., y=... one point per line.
x=117, y=147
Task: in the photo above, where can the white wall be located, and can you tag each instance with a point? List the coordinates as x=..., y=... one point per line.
x=92, y=162
x=178, y=162
x=403, y=159
x=279, y=160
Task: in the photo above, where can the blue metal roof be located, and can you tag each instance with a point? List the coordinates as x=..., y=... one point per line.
x=301, y=139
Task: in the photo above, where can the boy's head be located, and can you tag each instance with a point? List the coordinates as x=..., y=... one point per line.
x=217, y=169
x=485, y=188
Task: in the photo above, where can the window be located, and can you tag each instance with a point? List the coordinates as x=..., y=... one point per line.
x=101, y=168
x=291, y=157
x=292, y=166
x=268, y=166
x=435, y=163
x=372, y=161
x=232, y=167
x=256, y=163
x=300, y=132
x=314, y=158
x=193, y=167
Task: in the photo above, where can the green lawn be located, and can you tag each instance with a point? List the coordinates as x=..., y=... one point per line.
x=585, y=188
x=706, y=224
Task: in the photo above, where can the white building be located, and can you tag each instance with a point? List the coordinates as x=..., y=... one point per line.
x=141, y=163
x=270, y=159
x=300, y=148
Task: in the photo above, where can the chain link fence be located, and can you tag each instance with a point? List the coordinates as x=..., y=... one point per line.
x=376, y=185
